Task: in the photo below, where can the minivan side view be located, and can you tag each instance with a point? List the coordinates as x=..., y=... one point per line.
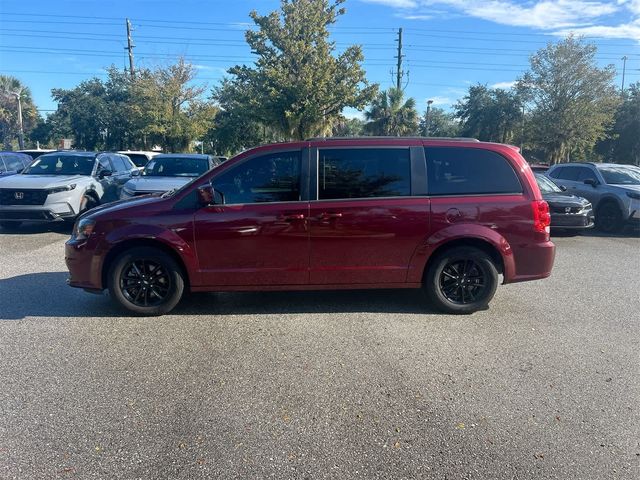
x=448, y=216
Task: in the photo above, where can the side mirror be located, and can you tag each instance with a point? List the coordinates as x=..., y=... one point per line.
x=563, y=188
x=207, y=195
x=591, y=181
x=105, y=173
x=135, y=172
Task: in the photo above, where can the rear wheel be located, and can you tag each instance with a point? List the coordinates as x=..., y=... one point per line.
x=10, y=225
x=609, y=218
x=146, y=281
x=461, y=280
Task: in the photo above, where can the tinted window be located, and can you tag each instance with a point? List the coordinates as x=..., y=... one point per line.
x=364, y=173
x=585, y=173
x=61, y=164
x=104, y=164
x=138, y=159
x=176, y=167
x=468, y=171
x=621, y=175
x=118, y=163
x=565, y=173
x=13, y=162
x=270, y=178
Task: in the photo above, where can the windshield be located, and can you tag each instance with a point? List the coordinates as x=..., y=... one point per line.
x=61, y=164
x=546, y=185
x=176, y=167
x=621, y=175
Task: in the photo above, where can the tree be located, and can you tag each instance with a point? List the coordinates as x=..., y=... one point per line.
x=573, y=101
x=9, y=125
x=348, y=127
x=622, y=144
x=492, y=115
x=389, y=114
x=441, y=124
x=297, y=86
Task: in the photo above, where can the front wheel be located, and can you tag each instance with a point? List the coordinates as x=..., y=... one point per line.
x=146, y=281
x=461, y=280
x=609, y=218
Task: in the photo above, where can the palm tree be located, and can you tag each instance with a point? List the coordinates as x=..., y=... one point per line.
x=388, y=115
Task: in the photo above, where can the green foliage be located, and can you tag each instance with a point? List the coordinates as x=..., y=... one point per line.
x=297, y=86
x=390, y=114
x=348, y=127
x=623, y=142
x=572, y=100
x=490, y=114
x=441, y=124
x=9, y=126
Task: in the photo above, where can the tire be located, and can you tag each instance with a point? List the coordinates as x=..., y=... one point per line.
x=158, y=293
x=10, y=225
x=443, y=287
x=609, y=218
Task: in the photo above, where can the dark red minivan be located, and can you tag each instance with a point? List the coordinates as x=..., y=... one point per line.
x=445, y=215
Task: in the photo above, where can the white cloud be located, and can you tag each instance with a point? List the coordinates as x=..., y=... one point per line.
x=413, y=17
x=440, y=101
x=504, y=85
x=542, y=14
x=625, y=30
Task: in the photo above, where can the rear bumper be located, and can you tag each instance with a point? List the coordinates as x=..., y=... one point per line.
x=533, y=262
x=84, y=267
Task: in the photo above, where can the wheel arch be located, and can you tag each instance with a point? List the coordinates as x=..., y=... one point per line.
x=125, y=245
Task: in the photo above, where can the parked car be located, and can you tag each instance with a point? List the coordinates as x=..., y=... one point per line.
x=139, y=157
x=168, y=171
x=612, y=189
x=35, y=153
x=59, y=186
x=443, y=215
x=568, y=212
x=539, y=167
x=13, y=162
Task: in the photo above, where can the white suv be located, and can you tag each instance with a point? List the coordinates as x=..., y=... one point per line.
x=61, y=185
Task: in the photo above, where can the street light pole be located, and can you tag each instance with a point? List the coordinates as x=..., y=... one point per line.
x=428, y=118
x=20, y=128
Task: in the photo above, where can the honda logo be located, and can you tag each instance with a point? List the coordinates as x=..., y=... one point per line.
x=567, y=209
x=19, y=195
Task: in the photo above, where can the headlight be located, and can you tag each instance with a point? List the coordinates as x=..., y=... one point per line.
x=84, y=228
x=634, y=195
x=66, y=188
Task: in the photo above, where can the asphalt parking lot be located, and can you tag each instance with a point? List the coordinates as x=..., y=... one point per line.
x=544, y=384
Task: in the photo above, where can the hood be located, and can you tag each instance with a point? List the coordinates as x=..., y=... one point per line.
x=627, y=188
x=561, y=199
x=156, y=184
x=119, y=205
x=39, y=181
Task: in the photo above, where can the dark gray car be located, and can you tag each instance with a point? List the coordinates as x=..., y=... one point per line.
x=612, y=189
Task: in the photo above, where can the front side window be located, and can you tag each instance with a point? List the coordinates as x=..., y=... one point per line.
x=61, y=164
x=585, y=173
x=269, y=178
x=565, y=173
x=364, y=173
x=469, y=171
x=118, y=163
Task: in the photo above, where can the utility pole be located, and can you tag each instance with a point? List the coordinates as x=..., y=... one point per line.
x=624, y=69
x=522, y=137
x=129, y=47
x=399, y=71
x=427, y=120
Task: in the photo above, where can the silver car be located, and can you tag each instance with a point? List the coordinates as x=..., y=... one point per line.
x=61, y=185
x=613, y=189
x=168, y=171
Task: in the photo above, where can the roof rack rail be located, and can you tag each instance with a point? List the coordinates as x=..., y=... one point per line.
x=390, y=137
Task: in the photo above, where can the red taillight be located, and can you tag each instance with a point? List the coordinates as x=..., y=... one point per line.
x=541, y=217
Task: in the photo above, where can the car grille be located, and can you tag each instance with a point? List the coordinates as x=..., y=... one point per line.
x=565, y=211
x=22, y=197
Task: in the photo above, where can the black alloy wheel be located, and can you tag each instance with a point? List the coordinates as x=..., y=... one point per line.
x=461, y=280
x=146, y=281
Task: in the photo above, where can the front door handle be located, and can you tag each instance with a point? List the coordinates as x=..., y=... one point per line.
x=292, y=217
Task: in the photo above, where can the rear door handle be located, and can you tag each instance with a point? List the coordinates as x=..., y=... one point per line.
x=329, y=216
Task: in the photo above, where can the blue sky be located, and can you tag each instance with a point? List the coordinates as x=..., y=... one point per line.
x=449, y=44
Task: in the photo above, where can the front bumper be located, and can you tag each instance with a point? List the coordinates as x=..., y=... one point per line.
x=573, y=221
x=56, y=212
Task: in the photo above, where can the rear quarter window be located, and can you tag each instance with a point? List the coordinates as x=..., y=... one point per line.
x=469, y=171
